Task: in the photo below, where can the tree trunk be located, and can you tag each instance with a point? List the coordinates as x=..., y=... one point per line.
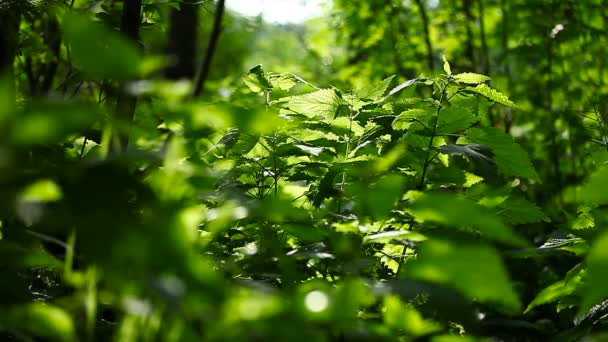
x=125, y=105
x=427, y=35
x=181, y=46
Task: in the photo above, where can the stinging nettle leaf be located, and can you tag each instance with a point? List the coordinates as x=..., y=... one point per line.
x=404, y=85
x=256, y=81
x=446, y=66
x=284, y=81
x=471, y=78
x=412, y=117
x=492, y=94
x=375, y=92
x=480, y=155
x=510, y=157
x=323, y=102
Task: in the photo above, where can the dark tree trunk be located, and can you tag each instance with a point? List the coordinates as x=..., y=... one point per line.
x=9, y=32
x=485, y=54
x=427, y=35
x=53, y=41
x=181, y=46
x=125, y=105
x=470, y=50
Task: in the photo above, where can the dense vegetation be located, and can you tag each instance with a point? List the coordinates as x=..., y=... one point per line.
x=395, y=171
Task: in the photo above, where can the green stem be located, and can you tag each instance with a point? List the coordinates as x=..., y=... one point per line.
x=428, y=158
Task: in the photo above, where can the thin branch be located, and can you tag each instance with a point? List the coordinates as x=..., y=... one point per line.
x=211, y=47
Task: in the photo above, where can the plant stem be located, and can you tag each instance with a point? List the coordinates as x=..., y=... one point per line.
x=428, y=158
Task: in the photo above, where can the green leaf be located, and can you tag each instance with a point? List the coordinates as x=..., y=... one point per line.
x=492, y=94
x=375, y=92
x=100, y=53
x=510, y=157
x=49, y=122
x=460, y=115
x=405, y=317
x=594, y=188
x=284, y=81
x=451, y=210
x=518, y=210
x=557, y=290
x=394, y=235
x=475, y=270
x=323, y=102
x=413, y=119
x=382, y=195
x=404, y=85
x=256, y=81
x=471, y=78
x=446, y=66
x=597, y=277
x=41, y=320
x=584, y=218
x=479, y=155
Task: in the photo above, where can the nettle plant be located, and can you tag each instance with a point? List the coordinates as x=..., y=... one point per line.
x=385, y=185
x=408, y=205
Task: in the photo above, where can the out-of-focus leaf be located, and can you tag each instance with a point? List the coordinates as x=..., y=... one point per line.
x=394, y=235
x=475, y=270
x=597, y=277
x=41, y=320
x=100, y=53
x=44, y=190
x=458, y=211
x=594, y=188
x=399, y=315
x=50, y=122
x=382, y=195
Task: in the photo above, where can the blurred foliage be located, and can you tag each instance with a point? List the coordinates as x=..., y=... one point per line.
x=393, y=171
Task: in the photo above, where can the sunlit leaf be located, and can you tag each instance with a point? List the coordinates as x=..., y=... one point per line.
x=284, y=81
x=40, y=319
x=324, y=102
x=471, y=78
x=375, y=92
x=557, y=290
x=405, y=317
x=256, y=80
x=492, y=94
